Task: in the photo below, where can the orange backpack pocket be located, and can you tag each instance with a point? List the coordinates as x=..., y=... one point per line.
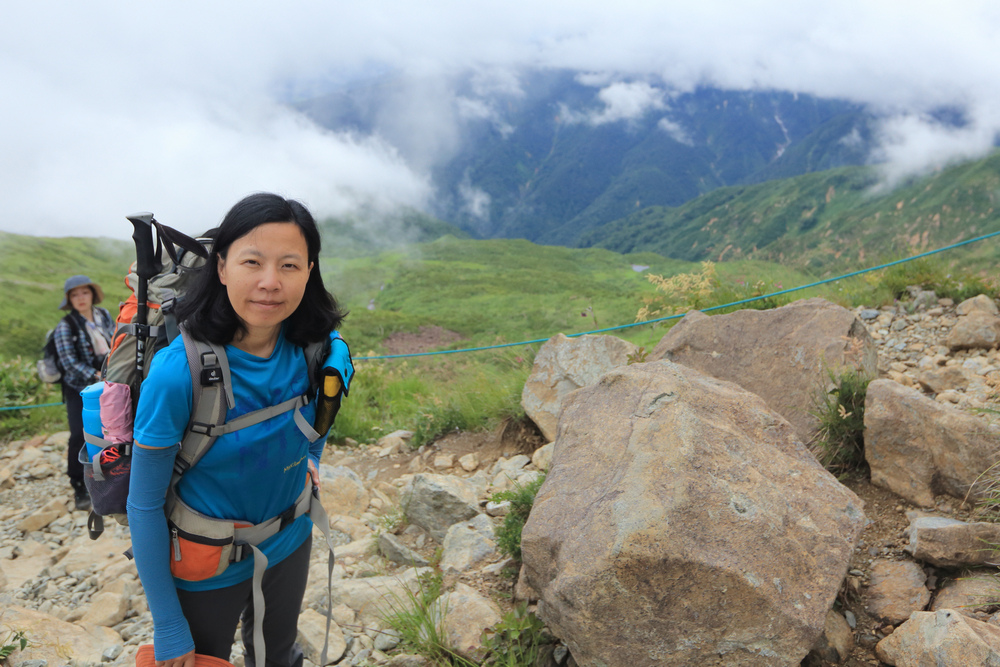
x=200, y=546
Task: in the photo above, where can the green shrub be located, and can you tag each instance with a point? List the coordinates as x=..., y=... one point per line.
x=930, y=274
x=840, y=443
x=516, y=640
x=20, y=386
x=521, y=499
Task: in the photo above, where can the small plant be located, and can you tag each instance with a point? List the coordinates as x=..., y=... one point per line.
x=840, y=444
x=14, y=641
x=515, y=641
x=637, y=357
x=417, y=618
x=521, y=500
x=392, y=519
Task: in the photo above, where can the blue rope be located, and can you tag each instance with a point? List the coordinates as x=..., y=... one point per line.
x=29, y=407
x=639, y=324
x=677, y=316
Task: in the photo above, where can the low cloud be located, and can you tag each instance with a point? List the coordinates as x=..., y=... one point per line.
x=623, y=101
x=676, y=131
x=107, y=107
x=913, y=144
x=475, y=201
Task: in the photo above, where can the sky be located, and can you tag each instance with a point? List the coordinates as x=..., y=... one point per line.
x=109, y=108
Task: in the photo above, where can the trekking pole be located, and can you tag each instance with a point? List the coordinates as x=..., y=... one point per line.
x=147, y=265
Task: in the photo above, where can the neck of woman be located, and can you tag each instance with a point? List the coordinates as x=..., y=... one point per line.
x=259, y=343
x=89, y=315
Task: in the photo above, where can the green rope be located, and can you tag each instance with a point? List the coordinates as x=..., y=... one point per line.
x=639, y=324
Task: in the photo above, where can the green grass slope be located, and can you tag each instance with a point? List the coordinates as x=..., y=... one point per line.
x=32, y=272
x=825, y=221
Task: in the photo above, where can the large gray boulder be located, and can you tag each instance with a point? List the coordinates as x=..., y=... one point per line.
x=564, y=364
x=682, y=522
x=917, y=447
x=783, y=355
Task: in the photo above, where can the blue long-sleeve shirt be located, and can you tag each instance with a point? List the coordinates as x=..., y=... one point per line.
x=229, y=480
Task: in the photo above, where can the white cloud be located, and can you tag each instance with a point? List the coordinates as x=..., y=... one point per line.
x=623, y=101
x=912, y=144
x=676, y=131
x=475, y=201
x=107, y=107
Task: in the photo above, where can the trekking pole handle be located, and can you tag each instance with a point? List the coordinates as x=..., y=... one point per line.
x=142, y=233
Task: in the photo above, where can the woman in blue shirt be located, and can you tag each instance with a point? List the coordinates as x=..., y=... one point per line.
x=261, y=296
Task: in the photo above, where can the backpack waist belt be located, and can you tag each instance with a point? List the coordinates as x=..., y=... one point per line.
x=236, y=541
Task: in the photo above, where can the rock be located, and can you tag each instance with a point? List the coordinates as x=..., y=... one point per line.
x=897, y=590
x=633, y=563
x=975, y=591
x=944, y=637
x=469, y=462
x=942, y=379
x=107, y=609
x=501, y=508
x=312, y=635
x=436, y=502
x=783, y=355
x=564, y=364
x=342, y=491
x=375, y=597
x=542, y=458
x=50, y=638
x=917, y=447
x=469, y=544
x=980, y=303
x=444, y=461
x=407, y=660
x=948, y=542
x=38, y=520
x=393, y=548
x=394, y=442
x=977, y=330
x=837, y=640
x=467, y=614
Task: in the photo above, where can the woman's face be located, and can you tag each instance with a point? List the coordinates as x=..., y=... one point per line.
x=82, y=299
x=265, y=274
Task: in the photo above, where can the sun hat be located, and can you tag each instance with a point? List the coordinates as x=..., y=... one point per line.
x=79, y=281
x=144, y=658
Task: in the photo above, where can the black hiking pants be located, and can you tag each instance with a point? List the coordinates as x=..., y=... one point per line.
x=74, y=414
x=213, y=615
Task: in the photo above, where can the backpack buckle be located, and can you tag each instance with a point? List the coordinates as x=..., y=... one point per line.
x=201, y=428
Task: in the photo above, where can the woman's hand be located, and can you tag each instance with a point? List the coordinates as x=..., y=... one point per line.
x=313, y=474
x=186, y=660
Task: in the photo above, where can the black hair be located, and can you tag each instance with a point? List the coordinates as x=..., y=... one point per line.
x=206, y=310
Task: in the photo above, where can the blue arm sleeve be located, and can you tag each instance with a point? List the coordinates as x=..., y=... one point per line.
x=339, y=360
x=150, y=477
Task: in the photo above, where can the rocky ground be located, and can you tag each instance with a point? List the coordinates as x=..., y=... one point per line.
x=37, y=526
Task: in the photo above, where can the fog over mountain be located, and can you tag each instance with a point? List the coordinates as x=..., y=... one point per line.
x=107, y=108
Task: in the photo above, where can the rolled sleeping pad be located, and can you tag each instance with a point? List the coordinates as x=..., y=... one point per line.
x=92, y=415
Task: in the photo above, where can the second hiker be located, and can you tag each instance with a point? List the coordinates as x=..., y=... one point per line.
x=82, y=340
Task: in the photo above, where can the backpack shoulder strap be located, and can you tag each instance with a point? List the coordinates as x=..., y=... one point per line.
x=211, y=397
